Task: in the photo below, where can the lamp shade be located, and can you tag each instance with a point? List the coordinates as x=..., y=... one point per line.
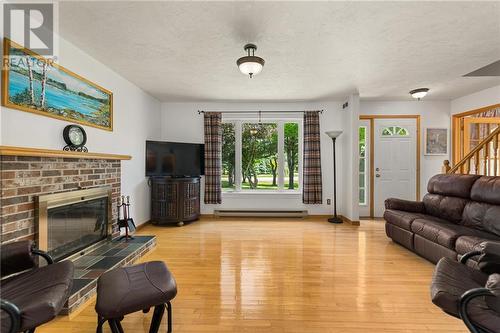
x=419, y=93
x=334, y=134
x=250, y=65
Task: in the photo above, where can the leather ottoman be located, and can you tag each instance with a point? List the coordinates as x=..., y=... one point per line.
x=129, y=289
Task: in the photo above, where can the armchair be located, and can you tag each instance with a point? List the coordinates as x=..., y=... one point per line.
x=470, y=294
x=31, y=295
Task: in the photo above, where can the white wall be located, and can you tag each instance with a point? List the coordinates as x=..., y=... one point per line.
x=181, y=122
x=432, y=114
x=476, y=100
x=136, y=118
x=349, y=172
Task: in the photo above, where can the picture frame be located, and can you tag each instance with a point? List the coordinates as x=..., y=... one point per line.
x=436, y=141
x=34, y=84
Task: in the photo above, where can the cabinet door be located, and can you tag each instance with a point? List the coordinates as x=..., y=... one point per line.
x=191, y=195
x=164, y=201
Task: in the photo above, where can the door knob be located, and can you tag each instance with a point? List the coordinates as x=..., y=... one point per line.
x=377, y=175
x=377, y=169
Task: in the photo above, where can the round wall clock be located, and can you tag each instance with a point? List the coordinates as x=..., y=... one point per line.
x=75, y=138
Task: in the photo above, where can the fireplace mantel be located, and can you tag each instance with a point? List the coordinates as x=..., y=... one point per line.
x=38, y=152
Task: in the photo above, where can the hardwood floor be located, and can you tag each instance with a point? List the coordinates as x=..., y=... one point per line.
x=286, y=275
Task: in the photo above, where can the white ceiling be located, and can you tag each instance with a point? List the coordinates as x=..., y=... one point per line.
x=186, y=51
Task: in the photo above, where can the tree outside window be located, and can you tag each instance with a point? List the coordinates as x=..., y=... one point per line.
x=261, y=153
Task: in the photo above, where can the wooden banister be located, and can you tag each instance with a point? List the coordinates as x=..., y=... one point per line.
x=482, y=160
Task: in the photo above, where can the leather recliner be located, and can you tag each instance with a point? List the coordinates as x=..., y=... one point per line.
x=458, y=213
x=31, y=295
x=470, y=294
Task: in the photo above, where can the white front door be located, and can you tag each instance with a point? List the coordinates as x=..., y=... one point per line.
x=395, y=173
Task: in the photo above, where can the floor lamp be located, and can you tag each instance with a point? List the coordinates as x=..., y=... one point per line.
x=334, y=219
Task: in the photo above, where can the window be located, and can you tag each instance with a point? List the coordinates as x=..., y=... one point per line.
x=228, y=157
x=395, y=131
x=362, y=165
x=291, y=156
x=261, y=156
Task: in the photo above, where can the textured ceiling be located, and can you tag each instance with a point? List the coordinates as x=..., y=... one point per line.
x=186, y=51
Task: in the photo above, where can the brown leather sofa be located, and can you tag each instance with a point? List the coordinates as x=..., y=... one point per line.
x=31, y=295
x=455, y=217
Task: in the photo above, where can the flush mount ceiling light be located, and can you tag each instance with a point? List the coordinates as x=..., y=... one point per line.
x=419, y=93
x=250, y=64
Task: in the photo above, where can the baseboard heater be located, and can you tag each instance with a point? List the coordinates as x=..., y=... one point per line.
x=260, y=213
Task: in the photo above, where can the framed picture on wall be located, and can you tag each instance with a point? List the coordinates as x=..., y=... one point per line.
x=34, y=84
x=436, y=141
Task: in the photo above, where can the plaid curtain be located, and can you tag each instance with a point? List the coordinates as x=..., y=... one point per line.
x=312, y=191
x=213, y=157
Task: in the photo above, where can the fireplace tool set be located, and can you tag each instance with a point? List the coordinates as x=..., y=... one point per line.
x=126, y=222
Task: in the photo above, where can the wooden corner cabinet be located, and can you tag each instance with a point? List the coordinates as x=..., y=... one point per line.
x=174, y=200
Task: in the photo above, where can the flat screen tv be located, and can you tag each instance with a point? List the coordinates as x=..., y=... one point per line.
x=175, y=159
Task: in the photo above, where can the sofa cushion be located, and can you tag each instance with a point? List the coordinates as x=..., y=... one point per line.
x=445, y=207
x=452, y=185
x=442, y=232
x=482, y=216
x=465, y=244
x=401, y=218
x=486, y=189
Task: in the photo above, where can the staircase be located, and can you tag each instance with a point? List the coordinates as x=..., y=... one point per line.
x=484, y=159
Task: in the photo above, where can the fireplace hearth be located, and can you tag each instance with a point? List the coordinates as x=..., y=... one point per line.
x=70, y=222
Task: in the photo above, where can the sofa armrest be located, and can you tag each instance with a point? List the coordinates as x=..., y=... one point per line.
x=405, y=205
x=14, y=315
x=17, y=257
x=489, y=260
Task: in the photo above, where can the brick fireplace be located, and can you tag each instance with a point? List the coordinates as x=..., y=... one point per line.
x=23, y=178
x=29, y=173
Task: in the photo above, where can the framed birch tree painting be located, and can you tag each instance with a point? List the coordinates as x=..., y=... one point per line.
x=35, y=84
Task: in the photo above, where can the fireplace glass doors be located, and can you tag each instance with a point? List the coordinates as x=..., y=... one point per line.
x=71, y=221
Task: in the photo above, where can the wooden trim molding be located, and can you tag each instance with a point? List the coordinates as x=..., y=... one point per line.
x=372, y=118
x=38, y=152
x=457, y=131
x=345, y=219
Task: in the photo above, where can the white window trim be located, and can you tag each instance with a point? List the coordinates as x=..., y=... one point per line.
x=238, y=124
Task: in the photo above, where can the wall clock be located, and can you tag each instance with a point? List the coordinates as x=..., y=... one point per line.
x=75, y=138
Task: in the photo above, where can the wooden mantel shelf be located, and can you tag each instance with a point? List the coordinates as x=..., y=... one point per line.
x=38, y=152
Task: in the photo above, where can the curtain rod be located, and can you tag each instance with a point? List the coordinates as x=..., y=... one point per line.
x=258, y=111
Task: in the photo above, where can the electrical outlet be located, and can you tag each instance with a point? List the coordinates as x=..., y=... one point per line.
x=328, y=201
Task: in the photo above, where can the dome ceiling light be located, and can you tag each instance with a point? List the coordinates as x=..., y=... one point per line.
x=419, y=93
x=250, y=64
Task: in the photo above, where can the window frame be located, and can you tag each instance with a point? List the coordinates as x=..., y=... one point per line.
x=280, y=122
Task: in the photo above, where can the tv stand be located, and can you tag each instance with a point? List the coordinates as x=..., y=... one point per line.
x=175, y=200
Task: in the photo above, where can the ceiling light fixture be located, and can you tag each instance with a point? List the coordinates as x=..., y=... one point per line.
x=419, y=93
x=255, y=128
x=250, y=64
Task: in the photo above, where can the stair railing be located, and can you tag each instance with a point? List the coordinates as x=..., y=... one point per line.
x=484, y=159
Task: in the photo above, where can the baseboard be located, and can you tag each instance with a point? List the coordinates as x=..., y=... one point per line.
x=142, y=225
x=315, y=217
x=345, y=219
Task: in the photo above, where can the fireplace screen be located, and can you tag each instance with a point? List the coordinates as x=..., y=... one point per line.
x=71, y=222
